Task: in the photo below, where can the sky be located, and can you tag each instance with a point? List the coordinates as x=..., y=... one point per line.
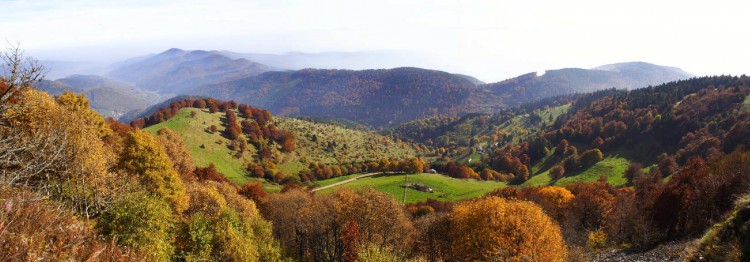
x=491, y=40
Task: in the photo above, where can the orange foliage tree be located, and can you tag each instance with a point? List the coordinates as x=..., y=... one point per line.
x=499, y=229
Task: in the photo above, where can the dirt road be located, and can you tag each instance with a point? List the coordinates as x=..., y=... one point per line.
x=345, y=181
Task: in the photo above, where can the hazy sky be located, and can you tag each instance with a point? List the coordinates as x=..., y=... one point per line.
x=492, y=40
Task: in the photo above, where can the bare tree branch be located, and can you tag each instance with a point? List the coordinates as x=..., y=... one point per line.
x=18, y=71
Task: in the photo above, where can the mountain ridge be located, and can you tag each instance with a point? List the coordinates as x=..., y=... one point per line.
x=178, y=71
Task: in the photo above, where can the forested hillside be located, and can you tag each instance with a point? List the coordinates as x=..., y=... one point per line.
x=387, y=97
x=373, y=97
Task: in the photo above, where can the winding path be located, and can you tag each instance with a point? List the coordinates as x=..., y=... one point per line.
x=345, y=181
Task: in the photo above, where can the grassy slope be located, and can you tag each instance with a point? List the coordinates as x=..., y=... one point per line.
x=613, y=166
x=360, y=145
x=215, y=149
x=446, y=188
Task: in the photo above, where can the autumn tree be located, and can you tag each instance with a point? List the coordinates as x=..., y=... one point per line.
x=380, y=218
x=47, y=230
x=591, y=157
x=589, y=210
x=554, y=200
x=209, y=173
x=667, y=165
x=351, y=239
x=557, y=172
x=177, y=152
x=413, y=165
x=224, y=226
x=255, y=170
x=430, y=240
x=499, y=229
x=287, y=142
x=253, y=191
x=561, y=148
x=144, y=157
x=142, y=221
x=57, y=147
x=634, y=171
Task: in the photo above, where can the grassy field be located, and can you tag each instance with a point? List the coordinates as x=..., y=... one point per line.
x=446, y=188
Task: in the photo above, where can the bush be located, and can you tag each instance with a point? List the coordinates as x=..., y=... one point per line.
x=32, y=229
x=597, y=239
x=143, y=222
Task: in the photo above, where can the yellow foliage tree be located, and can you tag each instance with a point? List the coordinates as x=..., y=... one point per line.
x=555, y=200
x=143, y=222
x=56, y=147
x=177, y=152
x=144, y=156
x=496, y=229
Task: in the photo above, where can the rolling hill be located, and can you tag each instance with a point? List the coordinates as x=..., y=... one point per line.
x=315, y=142
x=177, y=71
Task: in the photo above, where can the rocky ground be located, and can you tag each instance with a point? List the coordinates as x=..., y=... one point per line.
x=670, y=251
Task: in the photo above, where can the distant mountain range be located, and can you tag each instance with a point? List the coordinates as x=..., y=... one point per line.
x=531, y=86
x=177, y=71
x=375, y=97
x=359, y=60
x=384, y=97
x=108, y=97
